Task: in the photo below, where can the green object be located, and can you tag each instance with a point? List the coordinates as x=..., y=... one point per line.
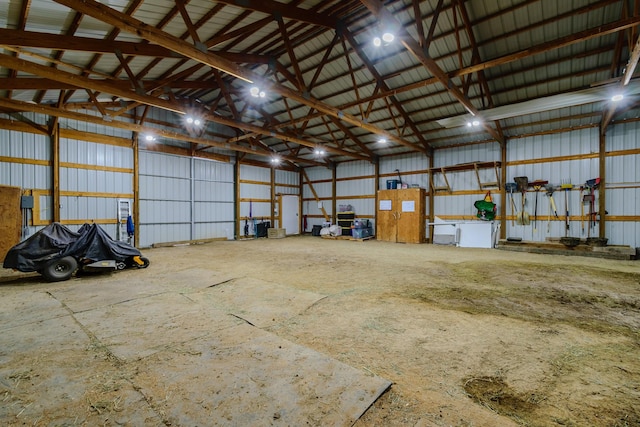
x=486, y=210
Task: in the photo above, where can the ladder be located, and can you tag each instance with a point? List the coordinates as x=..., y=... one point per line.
x=124, y=211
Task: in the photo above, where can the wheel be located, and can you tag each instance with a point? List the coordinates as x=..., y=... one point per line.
x=144, y=264
x=60, y=269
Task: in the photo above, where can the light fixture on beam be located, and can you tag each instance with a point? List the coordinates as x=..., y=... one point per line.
x=256, y=92
x=547, y=103
x=386, y=39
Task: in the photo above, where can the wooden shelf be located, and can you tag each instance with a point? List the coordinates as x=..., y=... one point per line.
x=474, y=166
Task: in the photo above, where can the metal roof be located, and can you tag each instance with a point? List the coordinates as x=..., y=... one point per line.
x=325, y=82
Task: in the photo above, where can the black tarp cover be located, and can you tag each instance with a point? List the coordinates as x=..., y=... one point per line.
x=54, y=241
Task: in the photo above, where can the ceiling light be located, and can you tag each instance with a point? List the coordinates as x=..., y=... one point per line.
x=149, y=138
x=388, y=37
x=190, y=120
x=257, y=93
x=319, y=151
x=275, y=160
x=377, y=41
x=197, y=122
x=382, y=141
x=617, y=97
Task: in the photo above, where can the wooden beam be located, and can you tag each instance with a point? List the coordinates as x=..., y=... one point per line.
x=377, y=8
x=132, y=25
x=40, y=40
x=293, y=13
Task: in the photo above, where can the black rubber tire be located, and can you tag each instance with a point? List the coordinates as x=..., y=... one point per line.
x=145, y=261
x=60, y=269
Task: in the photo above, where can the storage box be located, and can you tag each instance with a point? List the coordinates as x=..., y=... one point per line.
x=361, y=233
x=277, y=233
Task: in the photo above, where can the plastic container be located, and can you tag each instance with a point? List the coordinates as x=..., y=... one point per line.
x=392, y=184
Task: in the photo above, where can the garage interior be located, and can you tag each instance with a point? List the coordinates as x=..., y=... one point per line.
x=357, y=212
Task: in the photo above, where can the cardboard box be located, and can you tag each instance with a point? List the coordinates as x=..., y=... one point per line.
x=277, y=233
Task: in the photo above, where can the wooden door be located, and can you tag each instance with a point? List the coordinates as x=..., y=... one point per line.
x=386, y=224
x=410, y=215
x=10, y=219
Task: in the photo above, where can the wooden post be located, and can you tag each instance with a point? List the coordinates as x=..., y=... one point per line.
x=503, y=192
x=431, y=196
x=333, y=194
x=136, y=188
x=601, y=188
x=272, y=195
x=237, y=203
x=55, y=166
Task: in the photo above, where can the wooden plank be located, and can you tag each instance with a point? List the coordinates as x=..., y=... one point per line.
x=315, y=195
x=10, y=218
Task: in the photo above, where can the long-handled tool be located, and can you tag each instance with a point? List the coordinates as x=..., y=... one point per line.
x=591, y=184
x=582, y=208
x=511, y=187
x=552, y=204
x=537, y=185
x=522, y=217
x=566, y=187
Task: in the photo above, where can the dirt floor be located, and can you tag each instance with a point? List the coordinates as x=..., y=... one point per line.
x=468, y=337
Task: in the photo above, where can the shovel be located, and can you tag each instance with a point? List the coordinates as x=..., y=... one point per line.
x=511, y=187
x=522, y=218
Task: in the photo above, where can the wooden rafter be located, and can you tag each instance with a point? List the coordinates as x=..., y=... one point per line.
x=292, y=57
x=127, y=23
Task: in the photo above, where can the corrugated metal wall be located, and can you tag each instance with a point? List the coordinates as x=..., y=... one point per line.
x=184, y=199
x=255, y=197
x=24, y=163
x=321, y=180
x=91, y=194
x=623, y=185
x=458, y=204
x=356, y=188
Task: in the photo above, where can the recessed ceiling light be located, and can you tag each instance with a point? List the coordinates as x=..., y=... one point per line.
x=617, y=97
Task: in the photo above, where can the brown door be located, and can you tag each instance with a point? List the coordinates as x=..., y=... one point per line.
x=410, y=207
x=10, y=219
x=386, y=224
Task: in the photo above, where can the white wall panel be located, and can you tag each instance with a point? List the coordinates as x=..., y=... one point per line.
x=354, y=169
x=184, y=199
x=287, y=177
x=474, y=153
x=318, y=173
x=254, y=173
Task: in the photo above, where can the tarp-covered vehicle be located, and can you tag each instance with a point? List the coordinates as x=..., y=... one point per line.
x=56, y=252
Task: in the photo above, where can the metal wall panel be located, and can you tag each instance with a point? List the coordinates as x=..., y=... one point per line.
x=318, y=173
x=254, y=173
x=623, y=183
x=184, y=199
x=213, y=208
x=405, y=164
x=468, y=154
x=576, y=172
x=354, y=169
x=255, y=196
